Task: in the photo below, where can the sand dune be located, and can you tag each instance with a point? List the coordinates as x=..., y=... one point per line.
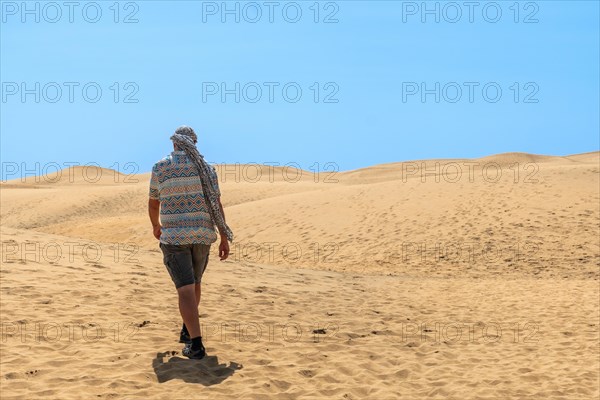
x=464, y=278
x=366, y=220
x=591, y=157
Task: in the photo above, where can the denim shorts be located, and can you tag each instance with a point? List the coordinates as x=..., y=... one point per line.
x=186, y=263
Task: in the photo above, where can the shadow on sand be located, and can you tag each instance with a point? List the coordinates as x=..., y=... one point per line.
x=207, y=371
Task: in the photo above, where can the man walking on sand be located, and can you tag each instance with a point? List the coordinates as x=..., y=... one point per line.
x=184, y=191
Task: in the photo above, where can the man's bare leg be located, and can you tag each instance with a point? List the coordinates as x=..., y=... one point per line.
x=198, y=291
x=188, y=307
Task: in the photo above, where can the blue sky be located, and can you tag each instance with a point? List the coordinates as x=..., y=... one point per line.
x=369, y=67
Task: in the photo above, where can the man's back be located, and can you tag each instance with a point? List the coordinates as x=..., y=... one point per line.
x=184, y=213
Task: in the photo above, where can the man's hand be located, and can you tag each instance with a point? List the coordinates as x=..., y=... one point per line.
x=223, y=250
x=156, y=231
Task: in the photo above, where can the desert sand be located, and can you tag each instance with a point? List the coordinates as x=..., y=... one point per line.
x=461, y=279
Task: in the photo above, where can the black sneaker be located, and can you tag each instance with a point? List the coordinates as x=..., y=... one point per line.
x=184, y=337
x=194, y=354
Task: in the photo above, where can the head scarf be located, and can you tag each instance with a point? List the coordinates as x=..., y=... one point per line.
x=185, y=138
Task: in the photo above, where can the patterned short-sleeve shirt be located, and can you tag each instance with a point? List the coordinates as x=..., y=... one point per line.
x=184, y=214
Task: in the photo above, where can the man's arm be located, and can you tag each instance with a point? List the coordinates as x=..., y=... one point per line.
x=223, y=236
x=224, y=246
x=153, y=211
x=154, y=202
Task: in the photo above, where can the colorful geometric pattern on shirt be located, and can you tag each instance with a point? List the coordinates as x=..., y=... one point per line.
x=182, y=236
x=175, y=188
x=178, y=222
x=183, y=210
x=183, y=204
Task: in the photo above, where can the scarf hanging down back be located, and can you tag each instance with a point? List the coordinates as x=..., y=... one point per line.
x=186, y=144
